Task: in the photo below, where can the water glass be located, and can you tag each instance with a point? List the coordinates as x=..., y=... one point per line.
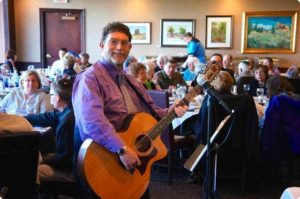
x=30, y=67
x=260, y=95
x=246, y=88
x=234, y=90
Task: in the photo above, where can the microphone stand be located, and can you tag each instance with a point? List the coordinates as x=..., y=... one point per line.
x=209, y=175
x=208, y=146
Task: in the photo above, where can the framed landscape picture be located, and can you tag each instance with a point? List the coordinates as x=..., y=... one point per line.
x=218, y=32
x=140, y=31
x=269, y=32
x=172, y=31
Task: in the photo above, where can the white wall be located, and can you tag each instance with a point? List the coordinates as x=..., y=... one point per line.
x=99, y=12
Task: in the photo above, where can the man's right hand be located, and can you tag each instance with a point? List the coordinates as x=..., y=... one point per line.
x=130, y=159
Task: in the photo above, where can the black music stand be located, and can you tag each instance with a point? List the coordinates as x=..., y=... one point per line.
x=194, y=159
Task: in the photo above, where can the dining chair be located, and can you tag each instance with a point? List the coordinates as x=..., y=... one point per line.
x=19, y=160
x=241, y=81
x=239, y=143
x=295, y=83
x=172, y=142
x=280, y=138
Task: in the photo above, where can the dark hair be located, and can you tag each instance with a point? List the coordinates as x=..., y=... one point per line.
x=172, y=61
x=116, y=27
x=63, y=49
x=264, y=69
x=63, y=88
x=269, y=59
x=10, y=54
x=278, y=84
x=217, y=54
x=188, y=34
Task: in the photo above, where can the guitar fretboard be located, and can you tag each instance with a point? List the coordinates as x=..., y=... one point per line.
x=167, y=119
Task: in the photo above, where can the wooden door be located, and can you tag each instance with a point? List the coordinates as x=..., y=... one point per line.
x=60, y=28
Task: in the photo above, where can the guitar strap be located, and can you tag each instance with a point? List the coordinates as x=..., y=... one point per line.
x=151, y=110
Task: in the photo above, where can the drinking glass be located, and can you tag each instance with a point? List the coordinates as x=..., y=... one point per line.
x=260, y=95
x=246, y=88
x=234, y=90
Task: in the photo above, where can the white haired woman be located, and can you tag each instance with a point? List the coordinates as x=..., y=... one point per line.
x=27, y=99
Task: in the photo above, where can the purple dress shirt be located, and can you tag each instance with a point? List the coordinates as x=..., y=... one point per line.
x=99, y=106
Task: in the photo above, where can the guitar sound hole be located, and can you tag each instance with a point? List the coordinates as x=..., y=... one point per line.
x=143, y=143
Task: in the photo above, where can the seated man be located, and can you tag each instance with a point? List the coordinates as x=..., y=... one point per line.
x=54, y=168
x=168, y=78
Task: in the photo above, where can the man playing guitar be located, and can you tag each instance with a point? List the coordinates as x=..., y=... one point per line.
x=100, y=105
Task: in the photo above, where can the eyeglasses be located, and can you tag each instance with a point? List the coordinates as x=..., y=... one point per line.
x=116, y=42
x=30, y=80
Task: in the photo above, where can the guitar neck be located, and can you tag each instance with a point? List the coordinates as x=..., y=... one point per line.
x=167, y=119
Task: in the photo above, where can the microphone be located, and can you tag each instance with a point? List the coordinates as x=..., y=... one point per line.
x=203, y=81
x=3, y=192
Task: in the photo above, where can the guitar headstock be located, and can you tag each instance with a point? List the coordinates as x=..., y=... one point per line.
x=212, y=69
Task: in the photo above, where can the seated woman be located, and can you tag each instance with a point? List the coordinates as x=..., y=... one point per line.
x=63, y=120
x=137, y=70
x=261, y=76
x=277, y=85
x=69, y=62
x=223, y=83
x=293, y=72
x=27, y=99
x=151, y=82
x=190, y=73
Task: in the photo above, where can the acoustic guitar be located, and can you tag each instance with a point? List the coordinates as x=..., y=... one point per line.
x=103, y=171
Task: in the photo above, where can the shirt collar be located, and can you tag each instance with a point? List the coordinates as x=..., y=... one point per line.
x=111, y=69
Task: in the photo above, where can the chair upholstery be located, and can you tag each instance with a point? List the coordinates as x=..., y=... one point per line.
x=172, y=142
x=161, y=98
x=295, y=83
x=281, y=134
x=19, y=160
x=241, y=81
x=242, y=144
x=56, y=188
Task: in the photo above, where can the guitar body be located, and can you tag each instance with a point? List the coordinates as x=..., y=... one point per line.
x=104, y=172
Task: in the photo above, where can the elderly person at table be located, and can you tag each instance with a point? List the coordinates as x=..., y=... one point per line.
x=292, y=72
x=261, y=76
x=27, y=99
x=168, y=78
x=59, y=165
x=151, y=81
x=223, y=83
x=137, y=70
x=272, y=70
x=161, y=60
x=276, y=85
x=190, y=73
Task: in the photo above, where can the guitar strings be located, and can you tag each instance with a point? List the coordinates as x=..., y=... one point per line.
x=164, y=122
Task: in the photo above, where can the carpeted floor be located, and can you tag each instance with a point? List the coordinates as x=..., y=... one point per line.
x=182, y=189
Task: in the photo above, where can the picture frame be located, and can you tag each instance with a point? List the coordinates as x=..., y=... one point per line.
x=219, y=31
x=172, y=31
x=269, y=32
x=140, y=31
